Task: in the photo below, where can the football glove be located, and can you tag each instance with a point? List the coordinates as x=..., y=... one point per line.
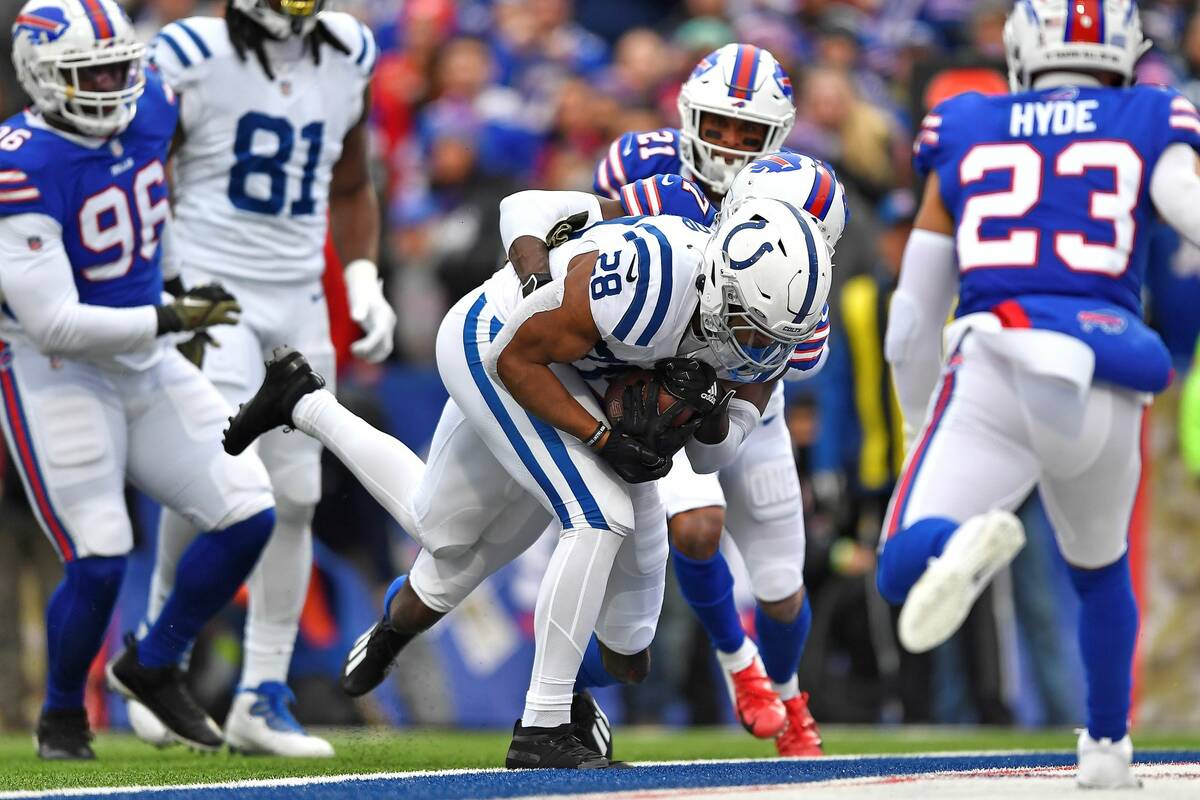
x=371, y=311
x=193, y=348
x=634, y=461
x=198, y=308
x=693, y=384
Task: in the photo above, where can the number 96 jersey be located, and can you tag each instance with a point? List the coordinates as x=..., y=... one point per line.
x=258, y=152
x=1050, y=189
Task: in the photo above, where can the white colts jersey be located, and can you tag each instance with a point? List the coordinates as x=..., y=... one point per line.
x=252, y=175
x=642, y=291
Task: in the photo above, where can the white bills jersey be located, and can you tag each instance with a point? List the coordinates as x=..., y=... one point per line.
x=252, y=174
x=642, y=291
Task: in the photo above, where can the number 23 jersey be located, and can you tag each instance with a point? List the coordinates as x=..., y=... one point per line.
x=253, y=172
x=1049, y=189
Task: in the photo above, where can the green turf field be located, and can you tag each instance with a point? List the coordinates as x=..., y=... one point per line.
x=124, y=761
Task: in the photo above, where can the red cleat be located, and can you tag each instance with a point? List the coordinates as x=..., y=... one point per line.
x=756, y=702
x=801, y=737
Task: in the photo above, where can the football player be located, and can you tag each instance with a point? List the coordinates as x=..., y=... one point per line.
x=94, y=392
x=261, y=174
x=1035, y=213
x=523, y=440
x=736, y=108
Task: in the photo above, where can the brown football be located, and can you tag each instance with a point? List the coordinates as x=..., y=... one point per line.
x=614, y=397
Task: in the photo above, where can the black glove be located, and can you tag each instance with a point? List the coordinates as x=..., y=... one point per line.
x=634, y=461
x=689, y=380
x=712, y=427
x=198, y=308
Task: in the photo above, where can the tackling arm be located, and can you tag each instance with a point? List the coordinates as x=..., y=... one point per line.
x=533, y=221
x=919, y=307
x=718, y=438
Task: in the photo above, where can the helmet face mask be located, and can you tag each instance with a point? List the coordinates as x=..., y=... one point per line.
x=767, y=281
x=740, y=82
x=292, y=18
x=82, y=69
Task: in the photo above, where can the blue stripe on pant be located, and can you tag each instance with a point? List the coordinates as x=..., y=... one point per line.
x=548, y=435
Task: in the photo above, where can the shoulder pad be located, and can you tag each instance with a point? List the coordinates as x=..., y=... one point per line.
x=357, y=38
x=638, y=155
x=180, y=49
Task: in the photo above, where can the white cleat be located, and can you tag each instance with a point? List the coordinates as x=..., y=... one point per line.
x=1105, y=764
x=147, y=726
x=261, y=722
x=940, y=600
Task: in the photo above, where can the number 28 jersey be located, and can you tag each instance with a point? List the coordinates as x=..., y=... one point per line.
x=252, y=174
x=1049, y=189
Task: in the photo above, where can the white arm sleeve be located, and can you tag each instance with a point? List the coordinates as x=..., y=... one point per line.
x=171, y=262
x=744, y=417
x=917, y=315
x=535, y=213
x=1175, y=190
x=40, y=289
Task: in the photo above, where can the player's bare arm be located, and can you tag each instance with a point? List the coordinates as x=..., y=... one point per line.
x=353, y=207
x=556, y=336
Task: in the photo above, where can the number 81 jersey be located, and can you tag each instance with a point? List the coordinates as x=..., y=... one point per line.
x=252, y=174
x=1049, y=189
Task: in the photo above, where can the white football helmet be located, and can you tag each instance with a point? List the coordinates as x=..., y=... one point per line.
x=1072, y=36
x=740, y=81
x=767, y=273
x=294, y=17
x=806, y=183
x=59, y=44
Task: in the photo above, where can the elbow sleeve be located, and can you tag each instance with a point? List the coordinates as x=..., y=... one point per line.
x=744, y=417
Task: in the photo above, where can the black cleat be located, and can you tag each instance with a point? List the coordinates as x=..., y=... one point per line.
x=64, y=735
x=372, y=657
x=551, y=748
x=591, y=724
x=162, y=690
x=289, y=377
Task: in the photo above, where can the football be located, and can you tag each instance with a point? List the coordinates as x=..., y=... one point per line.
x=614, y=397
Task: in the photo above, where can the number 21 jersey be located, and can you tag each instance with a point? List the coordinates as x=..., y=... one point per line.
x=252, y=174
x=1049, y=189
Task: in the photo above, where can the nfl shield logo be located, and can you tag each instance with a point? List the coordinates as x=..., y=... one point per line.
x=34, y=242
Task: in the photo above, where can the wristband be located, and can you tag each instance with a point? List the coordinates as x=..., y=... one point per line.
x=596, y=436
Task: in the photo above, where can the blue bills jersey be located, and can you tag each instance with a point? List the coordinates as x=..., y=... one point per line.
x=1049, y=191
x=638, y=155
x=110, y=196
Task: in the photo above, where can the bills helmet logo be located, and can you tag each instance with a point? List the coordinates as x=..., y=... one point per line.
x=777, y=162
x=34, y=242
x=41, y=25
x=1103, y=321
x=784, y=82
x=705, y=65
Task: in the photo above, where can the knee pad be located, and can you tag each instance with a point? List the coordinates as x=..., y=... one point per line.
x=772, y=490
x=294, y=516
x=294, y=466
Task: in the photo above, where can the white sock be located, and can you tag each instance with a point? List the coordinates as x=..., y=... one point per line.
x=389, y=470
x=278, y=587
x=175, y=533
x=739, y=659
x=568, y=606
x=787, y=691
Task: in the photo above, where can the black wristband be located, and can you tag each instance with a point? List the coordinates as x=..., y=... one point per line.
x=168, y=320
x=597, y=435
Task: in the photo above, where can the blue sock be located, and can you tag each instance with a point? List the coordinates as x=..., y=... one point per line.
x=76, y=621
x=209, y=574
x=1108, y=624
x=708, y=588
x=391, y=594
x=780, y=645
x=592, y=672
x=907, y=553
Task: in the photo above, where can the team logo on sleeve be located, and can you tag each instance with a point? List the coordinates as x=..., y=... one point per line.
x=1103, y=321
x=41, y=25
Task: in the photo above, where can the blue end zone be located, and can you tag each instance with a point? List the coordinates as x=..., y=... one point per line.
x=486, y=784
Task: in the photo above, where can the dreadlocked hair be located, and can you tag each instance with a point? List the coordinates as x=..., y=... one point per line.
x=247, y=36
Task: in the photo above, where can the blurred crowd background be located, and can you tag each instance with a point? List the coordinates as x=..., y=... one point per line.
x=475, y=99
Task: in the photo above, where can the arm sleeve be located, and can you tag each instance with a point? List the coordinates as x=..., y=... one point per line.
x=1175, y=190
x=744, y=417
x=535, y=213
x=917, y=315
x=40, y=289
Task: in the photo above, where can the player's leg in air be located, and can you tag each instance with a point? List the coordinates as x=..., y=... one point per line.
x=765, y=520
x=572, y=597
